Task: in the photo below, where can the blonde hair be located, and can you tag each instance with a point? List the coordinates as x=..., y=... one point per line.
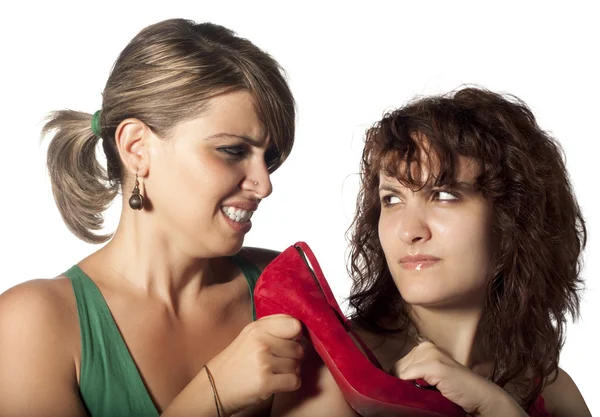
x=164, y=76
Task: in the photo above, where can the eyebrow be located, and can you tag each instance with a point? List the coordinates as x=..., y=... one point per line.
x=389, y=187
x=460, y=185
x=250, y=141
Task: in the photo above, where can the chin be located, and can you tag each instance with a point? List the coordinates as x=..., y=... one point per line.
x=231, y=247
x=429, y=291
x=218, y=249
x=441, y=299
x=424, y=294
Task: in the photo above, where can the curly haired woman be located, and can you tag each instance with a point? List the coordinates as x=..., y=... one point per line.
x=465, y=255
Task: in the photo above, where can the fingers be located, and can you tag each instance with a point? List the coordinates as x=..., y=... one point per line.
x=280, y=375
x=285, y=366
x=262, y=360
x=284, y=348
x=431, y=372
x=281, y=326
x=424, y=361
x=402, y=364
x=417, y=354
x=285, y=382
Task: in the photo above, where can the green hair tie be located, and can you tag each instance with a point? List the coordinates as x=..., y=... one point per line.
x=96, y=128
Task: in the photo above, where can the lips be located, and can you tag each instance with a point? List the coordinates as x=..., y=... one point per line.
x=419, y=258
x=243, y=205
x=238, y=213
x=418, y=262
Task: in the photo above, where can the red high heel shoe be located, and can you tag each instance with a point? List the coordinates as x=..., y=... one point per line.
x=293, y=284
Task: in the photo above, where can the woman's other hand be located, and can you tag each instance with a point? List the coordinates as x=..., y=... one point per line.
x=264, y=359
x=475, y=394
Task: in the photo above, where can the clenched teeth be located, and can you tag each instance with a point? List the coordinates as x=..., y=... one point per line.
x=237, y=215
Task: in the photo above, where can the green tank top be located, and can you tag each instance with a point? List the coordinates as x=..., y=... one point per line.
x=110, y=384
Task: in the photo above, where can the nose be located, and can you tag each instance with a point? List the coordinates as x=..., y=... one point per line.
x=413, y=227
x=258, y=180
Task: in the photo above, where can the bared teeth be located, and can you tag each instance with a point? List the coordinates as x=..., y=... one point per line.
x=238, y=215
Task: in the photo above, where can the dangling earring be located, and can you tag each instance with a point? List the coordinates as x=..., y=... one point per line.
x=136, y=201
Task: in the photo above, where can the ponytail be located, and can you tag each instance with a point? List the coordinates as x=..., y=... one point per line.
x=81, y=187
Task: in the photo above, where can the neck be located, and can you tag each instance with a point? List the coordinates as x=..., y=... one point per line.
x=142, y=254
x=452, y=330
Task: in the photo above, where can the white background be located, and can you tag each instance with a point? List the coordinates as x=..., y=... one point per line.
x=347, y=63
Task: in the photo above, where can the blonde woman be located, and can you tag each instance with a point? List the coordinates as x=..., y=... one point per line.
x=160, y=321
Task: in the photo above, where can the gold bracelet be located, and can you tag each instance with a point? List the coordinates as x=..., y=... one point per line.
x=214, y=390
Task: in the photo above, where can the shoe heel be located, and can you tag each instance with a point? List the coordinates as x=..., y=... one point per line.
x=294, y=284
x=314, y=268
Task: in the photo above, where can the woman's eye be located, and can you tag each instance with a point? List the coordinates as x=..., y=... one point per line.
x=444, y=196
x=389, y=200
x=234, y=151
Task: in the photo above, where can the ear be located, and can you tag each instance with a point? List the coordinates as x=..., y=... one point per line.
x=132, y=139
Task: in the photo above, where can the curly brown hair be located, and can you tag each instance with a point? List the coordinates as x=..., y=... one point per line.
x=537, y=223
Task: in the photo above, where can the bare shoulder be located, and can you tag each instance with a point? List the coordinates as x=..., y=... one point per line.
x=261, y=257
x=41, y=311
x=319, y=394
x=562, y=397
x=48, y=300
x=38, y=338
